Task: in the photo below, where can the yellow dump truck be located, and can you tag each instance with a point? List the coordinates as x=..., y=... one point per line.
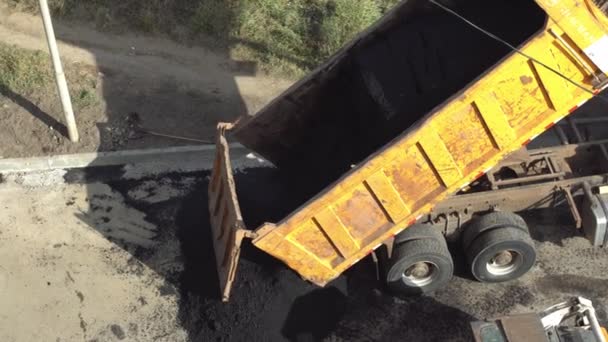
x=413, y=111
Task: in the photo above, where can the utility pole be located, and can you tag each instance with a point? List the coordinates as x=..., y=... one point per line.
x=62, y=85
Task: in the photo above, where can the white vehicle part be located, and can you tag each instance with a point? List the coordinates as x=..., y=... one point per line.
x=577, y=307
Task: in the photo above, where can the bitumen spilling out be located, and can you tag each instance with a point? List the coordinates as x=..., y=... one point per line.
x=269, y=301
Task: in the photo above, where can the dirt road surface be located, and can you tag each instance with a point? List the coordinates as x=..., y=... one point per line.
x=126, y=259
x=165, y=87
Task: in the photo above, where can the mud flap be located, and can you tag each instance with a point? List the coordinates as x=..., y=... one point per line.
x=227, y=226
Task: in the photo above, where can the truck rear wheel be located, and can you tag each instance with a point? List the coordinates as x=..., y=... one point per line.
x=419, y=266
x=501, y=254
x=490, y=221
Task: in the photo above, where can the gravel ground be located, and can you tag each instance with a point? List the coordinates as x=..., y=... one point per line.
x=130, y=259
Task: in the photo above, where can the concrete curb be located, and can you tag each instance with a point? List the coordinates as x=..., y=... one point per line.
x=194, y=157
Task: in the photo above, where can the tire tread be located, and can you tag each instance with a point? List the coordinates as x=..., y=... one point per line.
x=492, y=237
x=412, y=248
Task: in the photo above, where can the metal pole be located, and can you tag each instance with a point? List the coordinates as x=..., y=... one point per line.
x=595, y=325
x=62, y=85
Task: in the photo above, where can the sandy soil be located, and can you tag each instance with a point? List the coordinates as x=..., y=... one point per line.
x=163, y=86
x=130, y=259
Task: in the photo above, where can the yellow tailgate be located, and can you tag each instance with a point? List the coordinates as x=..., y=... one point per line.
x=226, y=221
x=514, y=102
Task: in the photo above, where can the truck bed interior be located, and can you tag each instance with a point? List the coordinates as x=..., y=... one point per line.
x=379, y=86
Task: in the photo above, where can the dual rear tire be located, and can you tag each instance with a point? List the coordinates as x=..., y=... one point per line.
x=421, y=262
x=498, y=248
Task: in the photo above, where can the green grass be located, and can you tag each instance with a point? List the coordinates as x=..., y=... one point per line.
x=342, y=20
x=84, y=98
x=287, y=37
x=27, y=72
x=23, y=71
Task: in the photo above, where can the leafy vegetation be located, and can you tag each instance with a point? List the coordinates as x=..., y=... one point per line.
x=284, y=36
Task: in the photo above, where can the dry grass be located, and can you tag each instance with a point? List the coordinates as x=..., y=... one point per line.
x=27, y=72
x=23, y=71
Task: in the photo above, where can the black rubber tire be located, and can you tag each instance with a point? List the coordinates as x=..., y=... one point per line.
x=411, y=252
x=489, y=243
x=490, y=221
x=419, y=231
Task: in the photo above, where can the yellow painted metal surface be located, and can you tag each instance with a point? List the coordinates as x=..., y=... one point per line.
x=514, y=102
x=227, y=227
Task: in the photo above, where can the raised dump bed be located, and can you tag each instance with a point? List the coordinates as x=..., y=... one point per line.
x=411, y=111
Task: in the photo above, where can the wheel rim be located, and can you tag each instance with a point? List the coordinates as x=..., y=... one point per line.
x=420, y=274
x=504, y=262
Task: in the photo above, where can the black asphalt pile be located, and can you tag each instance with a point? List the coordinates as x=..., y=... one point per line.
x=269, y=301
x=272, y=303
